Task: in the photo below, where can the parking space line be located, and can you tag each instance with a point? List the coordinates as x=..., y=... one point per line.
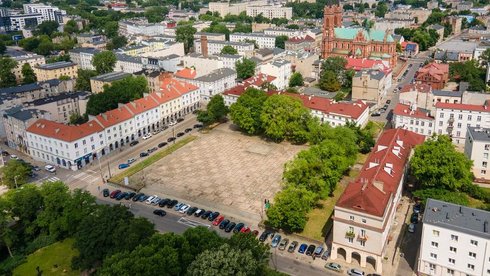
x=192, y=223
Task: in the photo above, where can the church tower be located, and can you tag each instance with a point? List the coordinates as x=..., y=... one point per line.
x=332, y=18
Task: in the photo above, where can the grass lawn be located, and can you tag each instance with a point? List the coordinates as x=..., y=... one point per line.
x=118, y=178
x=46, y=258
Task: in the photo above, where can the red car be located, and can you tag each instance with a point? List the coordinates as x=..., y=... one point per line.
x=218, y=220
x=114, y=193
x=245, y=229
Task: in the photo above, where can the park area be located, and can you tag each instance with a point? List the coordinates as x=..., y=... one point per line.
x=223, y=168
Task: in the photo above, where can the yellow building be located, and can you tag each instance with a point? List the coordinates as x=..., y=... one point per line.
x=56, y=70
x=32, y=59
x=97, y=83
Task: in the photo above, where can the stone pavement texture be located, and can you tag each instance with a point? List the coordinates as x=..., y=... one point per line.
x=223, y=168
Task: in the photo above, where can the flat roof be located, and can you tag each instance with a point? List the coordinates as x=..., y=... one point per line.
x=457, y=218
x=56, y=65
x=112, y=76
x=217, y=74
x=479, y=133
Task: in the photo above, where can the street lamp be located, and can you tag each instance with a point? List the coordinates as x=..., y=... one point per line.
x=15, y=181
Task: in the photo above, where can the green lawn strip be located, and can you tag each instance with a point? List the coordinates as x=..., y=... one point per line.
x=150, y=160
x=52, y=260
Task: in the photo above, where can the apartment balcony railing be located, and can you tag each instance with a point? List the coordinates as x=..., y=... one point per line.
x=350, y=234
x=362, y=237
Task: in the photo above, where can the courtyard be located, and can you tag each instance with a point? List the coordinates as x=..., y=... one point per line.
x=223, y=169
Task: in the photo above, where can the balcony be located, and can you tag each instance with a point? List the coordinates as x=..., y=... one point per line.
x=362, y=237
x=350, y=234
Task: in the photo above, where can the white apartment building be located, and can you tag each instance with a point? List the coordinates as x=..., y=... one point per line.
x=215, y=82
x=283, y=31
x=279, y=68
x=224, y=8
x=15, y=122
x=128, y=64
x=270, y=11
x=364, y=213
x=145, y=114
x=31, y=59
x=262, y=40
x=83, y=57
x=215, y=47
x=414, y=119
x=454, y=119
x=477, y=148
x=229, y=61
x=140, y=27
x=210, y=36
x=455, y=240
x=21, y=21
x=49, y=13
x=119, y=128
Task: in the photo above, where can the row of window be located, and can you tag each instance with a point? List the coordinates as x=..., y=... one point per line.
x=460, y=116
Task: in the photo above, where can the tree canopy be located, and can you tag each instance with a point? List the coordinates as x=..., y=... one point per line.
x=83, y=79
x=281, y=41
x=47, y=28
x=245, y=68
x=469, y=71
x=296, y=79
x=28, y=74
x=156, y=14
x=216, y=111
x=229, y=50
x=15, y=173
x=245, y=113
x=7, y=77
x=104, y=62
x=185, y=34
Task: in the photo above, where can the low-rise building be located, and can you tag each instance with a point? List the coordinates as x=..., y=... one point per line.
x=214, y=83
x=477, y=148
x=62, y=106
x=283, y=31
x=153, y=77
x=270, y=11
x=210, y=36
x=413, y=118
x=83, y=57
x=280, y=69
x=306, y=43
x=434, y=74
x=365, y=212
x=140, y=27
x=32, y=59
x=455, y=22
x=55, y=70
x=417, y=94
x=15, y=122
x=97, y=83
x=214, y=47
x=371, y=86
x=439, y=30
x=455, y=240
x=262, y=40
x=128, y=64
x=302, y=62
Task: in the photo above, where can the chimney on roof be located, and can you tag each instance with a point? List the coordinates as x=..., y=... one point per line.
x=204, y=45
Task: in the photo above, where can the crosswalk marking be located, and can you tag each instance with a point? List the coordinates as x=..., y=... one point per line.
x=192, y=223
x=53, y=179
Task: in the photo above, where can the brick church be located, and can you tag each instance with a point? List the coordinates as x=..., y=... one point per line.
x=354, y=41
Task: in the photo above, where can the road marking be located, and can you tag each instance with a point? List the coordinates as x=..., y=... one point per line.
x=192, y=223
x=53, y=179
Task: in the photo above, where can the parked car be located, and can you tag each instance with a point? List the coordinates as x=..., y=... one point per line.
x=123, y=166
x=137, y=196
x=283, y=244
x=245, y=229
x=212, y=216
x=310, y=250
x=159, y=212
x=5, y=153
x=114, y=193
x=206, y=214
x=414, y=218
x=375, y=114
x=147, y=136
x=302, y=248
x=164, y=202
x=292, y=246
x=238, y=227
x=143, y=198
x=178, y=206
x=129, y=195
x=333, y=266
x=230, y=227
x=264, y=235
x=417, y=208
x=355, y=272
x=385, y=107
x=121, y=195
x=180, y=120
x=325, y=254
x=131, y=160
x=36, y=168
x=318, y=251
x=155, y=201
x=150, y=199
x=187, y=130
x=49, y=168
x=134, y=143
x=388, y=101
x=411, y=228
x=13, y=156
x=191, y=211
x=172, y=123
x=172, y=203
x=197, y=126
x=171, y=139
x=152, y=149
x=184, y=208
x=144, y=154
x=199, y=212
x=218, y=220
x=275, y=241
x=373, y=274
x=224, y=223
x=162, y=144
x=105, y=192
x=180, y=134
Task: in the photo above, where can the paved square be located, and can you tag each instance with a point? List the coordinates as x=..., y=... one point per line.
x=221, y=168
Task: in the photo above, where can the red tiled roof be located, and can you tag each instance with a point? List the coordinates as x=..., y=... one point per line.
x=381, y=173
x=299, y=39
x=171, y=89
x=436, y=70
x=141, y=105
x=67, y=133
x=186, y=73
x=113, y=117
x=255, y=81
x=457, y=106
x=420, y=87
x=364, y=63
x=404, y=110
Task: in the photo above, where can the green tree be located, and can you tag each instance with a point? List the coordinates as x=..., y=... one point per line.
x=381, y=9
x=437, y=164
x=284, y=117
x=245, y=68
x=329, y=81
x=224, y=261
x=280, y=41
x=246, y=241
x=202, y=239
x=117, y=42
x=25, y=206
x=47, y=28
x=442, y=194
x=336, y=65
x=104, y=62
x=216, y=111
x=485, y=57
x=7, y=77
x=3, y=47
x=156, y=14
x=229, y=50
x=83, y=79
x=469, y=71
x=242, y=28
x=111, y=28
x=77, y=119
x=290, y=208
x=15, y=173
x=70, y=27
x=28, y=74
x=245, y=113
x=296, y=79
x=185, y=34
x=45, y=47
x=218, y=28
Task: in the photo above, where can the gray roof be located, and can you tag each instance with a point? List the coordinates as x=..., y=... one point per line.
x=70, y=95
x=436, y=27
x=280, y=62
x=265, y=51
x=479, y=134
x=314, y=91
x=457, y=218
x=110, y=77
x=20, y=89
x=217, y=75
x=226, y=42
x=56, y=65
x=208, y=34
x=85, y=50
x=446, y=93
x=374, y=74
x=277, y=51
x=23, y=114
x=450, y=56
x=127, y=58
x=229, y=56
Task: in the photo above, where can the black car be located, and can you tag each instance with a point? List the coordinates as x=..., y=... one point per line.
x=172, y=203
x=388, y=101
x=152, y=149
x=213, y=216
x=164, y=127
x=105, y=192
x=310, y=250
x=414, y=218
x=238, y=227
x=198, y=126
x=199, y=212
x=206, y=214
x=230, y=227
x=164, y=202
x=121, y=195
x=385, y=107
x=137, y=196
x=171, y=139
x=144, y=154
x=134, y=143
x=163, y=144
x=188, y=130
x=180, y=134
x=264, y=236
x=143, y=198
x=5, y=153
x=159, y=212
x=224, y=223
x=129, y=195
x=180, y=120
x=191, y=211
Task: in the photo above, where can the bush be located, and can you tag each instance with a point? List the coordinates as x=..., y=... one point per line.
x=8, y=265
x=38, y=243
x=476, y=192
x=441, y=194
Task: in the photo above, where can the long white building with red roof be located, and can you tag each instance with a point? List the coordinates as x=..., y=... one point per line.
x=413, y=118
x=73, y=147
x=365, y=211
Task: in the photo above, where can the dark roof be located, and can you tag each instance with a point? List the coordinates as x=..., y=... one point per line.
x=450, y=56
x=479, y=134
x=112, y=76
x=374, y=74
x=70, y=95
x=445, y=93
x=458, y=218
x=23, y=114
x=85, y=50
x=217, y=75
x=56, y=65
x=20, y=89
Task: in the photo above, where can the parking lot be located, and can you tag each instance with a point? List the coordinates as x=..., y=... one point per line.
x=223, y=169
